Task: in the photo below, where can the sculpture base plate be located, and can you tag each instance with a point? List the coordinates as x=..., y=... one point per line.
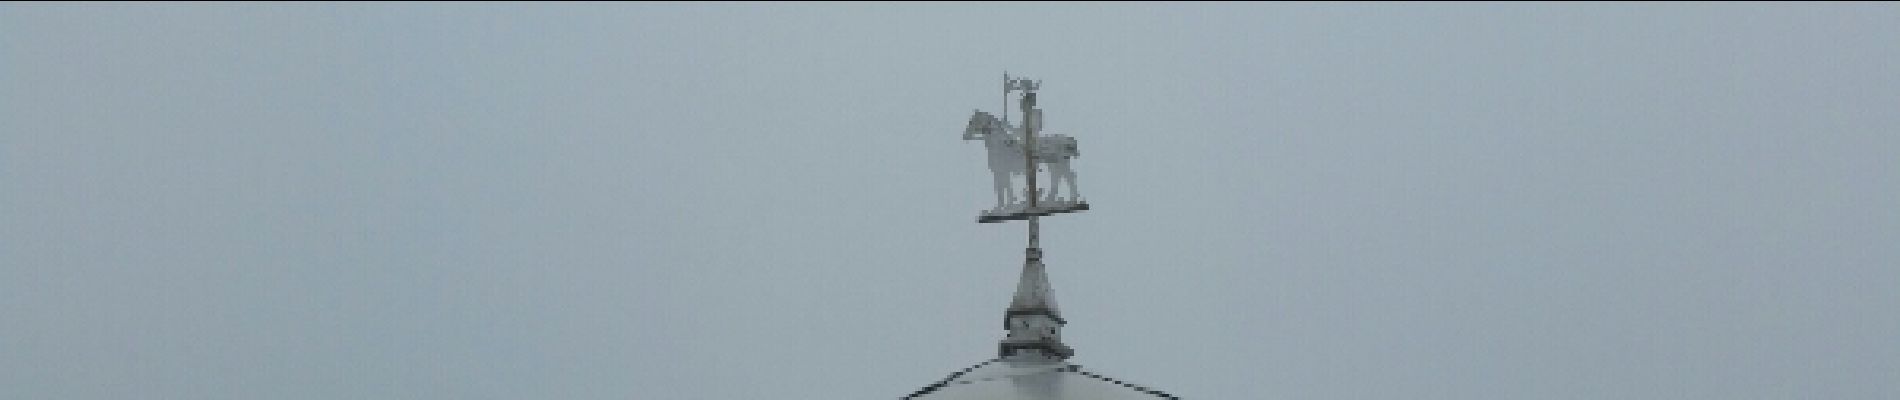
x=1026, y=212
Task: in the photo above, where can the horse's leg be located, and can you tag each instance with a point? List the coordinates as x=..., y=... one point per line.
x=1055, y=175
x=1075, y=194
x=1001, y=181
x=1068, y=178
x=1055, y=178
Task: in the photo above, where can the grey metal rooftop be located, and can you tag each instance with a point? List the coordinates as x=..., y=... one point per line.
x=999, y=379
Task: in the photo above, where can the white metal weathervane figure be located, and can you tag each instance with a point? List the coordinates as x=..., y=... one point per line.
x=1033, y=321
x=1016, y=151
x=1031, y=361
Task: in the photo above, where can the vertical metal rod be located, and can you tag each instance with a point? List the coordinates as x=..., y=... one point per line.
x=1029, y=169
x=1033, y=228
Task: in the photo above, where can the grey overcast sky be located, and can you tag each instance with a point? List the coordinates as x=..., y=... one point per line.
x=771, y=201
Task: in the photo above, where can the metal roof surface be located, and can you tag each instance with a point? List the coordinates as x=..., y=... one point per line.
x=1005, y=380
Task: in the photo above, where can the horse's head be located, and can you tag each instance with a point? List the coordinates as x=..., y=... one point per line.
x=981, y=124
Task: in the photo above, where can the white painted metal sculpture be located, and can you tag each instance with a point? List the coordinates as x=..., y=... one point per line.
x=1008, y=145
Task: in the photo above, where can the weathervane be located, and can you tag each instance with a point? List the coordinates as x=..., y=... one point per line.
x=1033, y=322
x=1017, y=151
x=1031, y=361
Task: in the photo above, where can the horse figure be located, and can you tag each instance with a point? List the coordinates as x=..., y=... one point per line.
x=1006, y=157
